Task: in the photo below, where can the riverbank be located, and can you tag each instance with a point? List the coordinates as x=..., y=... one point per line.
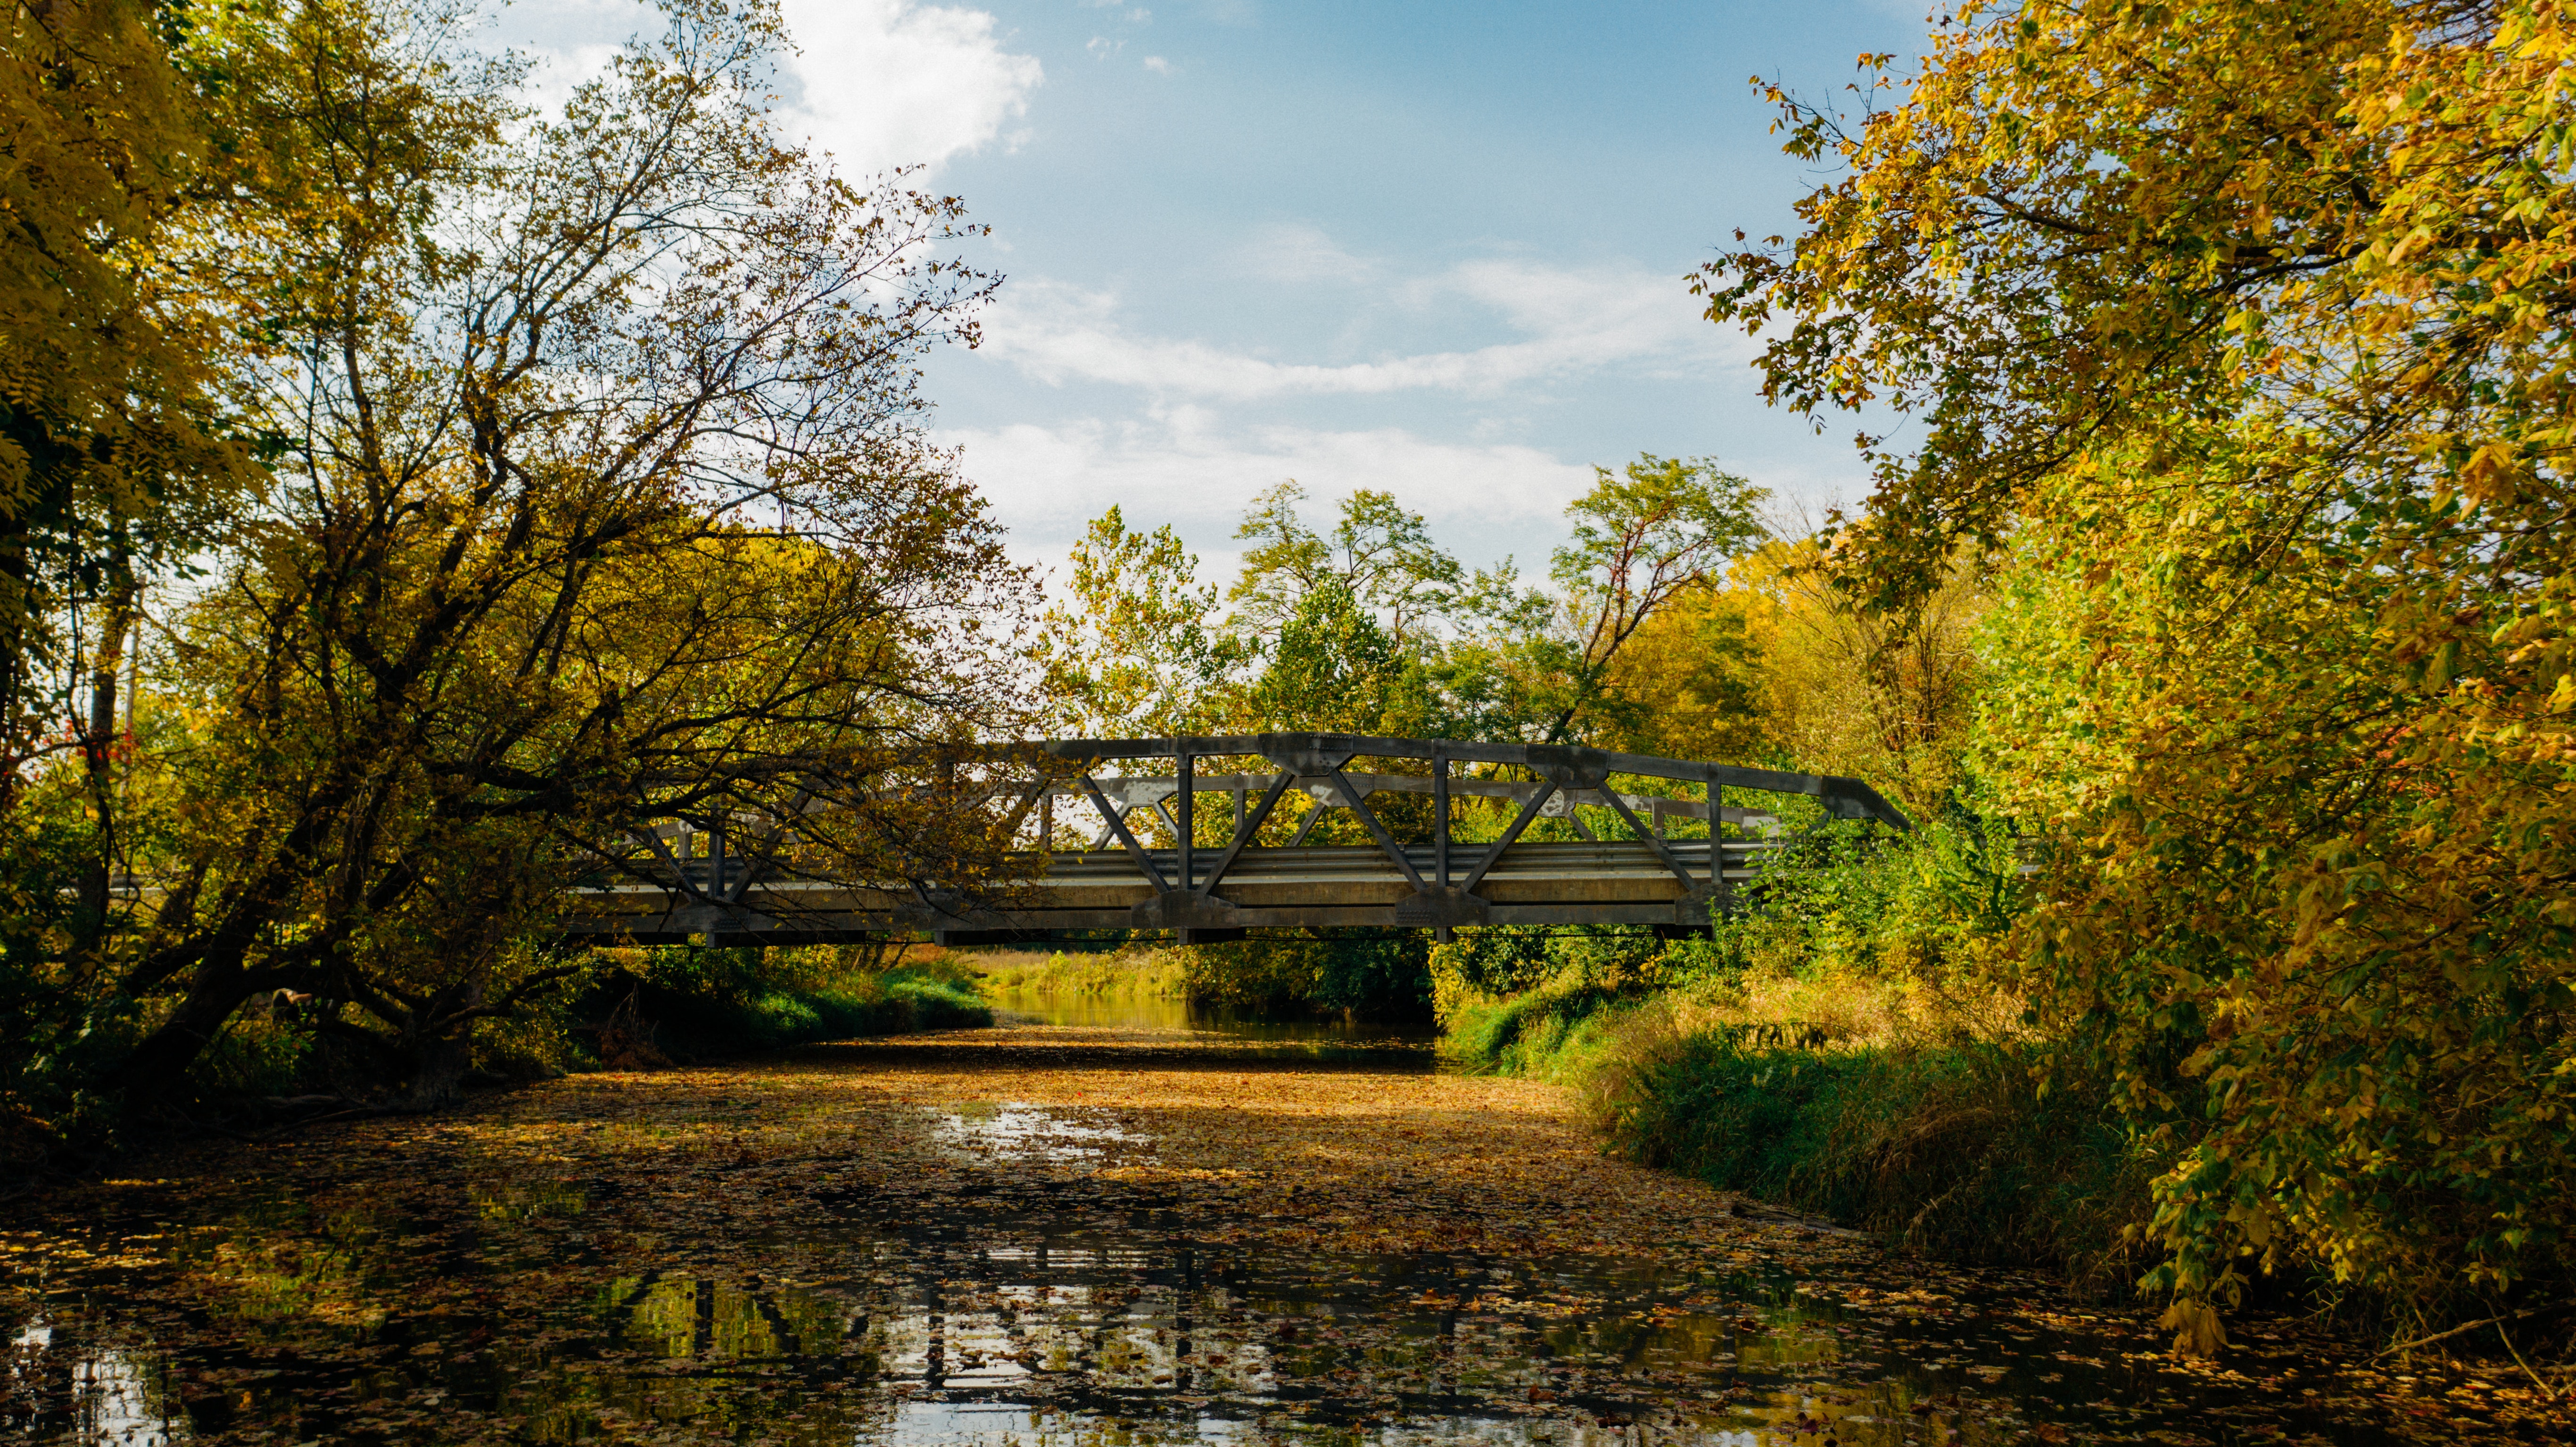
x=1830, y=1098
x=1061, y=1232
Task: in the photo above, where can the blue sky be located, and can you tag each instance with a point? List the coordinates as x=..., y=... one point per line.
x=1433, y=248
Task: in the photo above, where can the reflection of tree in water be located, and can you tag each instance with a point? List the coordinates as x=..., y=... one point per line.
x=1077, y=1255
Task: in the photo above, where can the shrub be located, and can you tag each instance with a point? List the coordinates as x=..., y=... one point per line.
x=1379, y=977
x=1124, y=972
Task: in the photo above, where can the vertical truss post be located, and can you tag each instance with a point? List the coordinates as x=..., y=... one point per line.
x=1183, y=818
x=1440, y=817
x=1721, y=890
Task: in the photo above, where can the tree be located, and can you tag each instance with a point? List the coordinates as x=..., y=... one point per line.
x=2251, y=318
x=121, y=451
x=1332, y=669
x=1658, y=527
x=1137, y=653
x=1379, y=553
x=605, y=502
x=118, y=447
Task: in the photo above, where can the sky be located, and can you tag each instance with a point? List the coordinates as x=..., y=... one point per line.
x=1437, y=249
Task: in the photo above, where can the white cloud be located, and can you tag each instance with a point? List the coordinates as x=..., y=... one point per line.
x=560, y=71
x=1181, y=466
x=1101, y=47
x=1158, y=65
x=891, y=82
x=1296, y=252
x=1571, y=320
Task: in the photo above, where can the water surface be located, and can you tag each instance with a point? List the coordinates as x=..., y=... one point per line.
x=1113, y=1227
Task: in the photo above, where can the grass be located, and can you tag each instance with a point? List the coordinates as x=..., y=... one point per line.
x=1934, y=1122
x=1123, y=974
x=898, y=1002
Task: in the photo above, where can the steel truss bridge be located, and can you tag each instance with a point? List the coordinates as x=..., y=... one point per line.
x=1658, y=857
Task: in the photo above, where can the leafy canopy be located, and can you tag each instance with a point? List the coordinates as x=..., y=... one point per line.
x=2246, y=324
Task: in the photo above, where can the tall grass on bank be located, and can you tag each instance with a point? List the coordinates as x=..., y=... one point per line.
x=1986, y=1150
x=687, y=1002
x=1977, y=1151
x=1126, y=973
x=1841, y=1046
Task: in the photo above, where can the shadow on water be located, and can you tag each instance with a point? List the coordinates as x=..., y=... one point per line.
x=1109, y=1318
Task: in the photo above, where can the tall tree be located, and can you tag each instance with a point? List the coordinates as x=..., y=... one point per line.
x=2253, y=315
x=606, y=502
x=1136, y=651
x=117, y=442
x=1379, y=553
x=1657, y=527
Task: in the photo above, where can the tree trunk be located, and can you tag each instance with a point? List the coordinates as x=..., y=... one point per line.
x=443, y=1051
x=161, y=1059
x=98, y=755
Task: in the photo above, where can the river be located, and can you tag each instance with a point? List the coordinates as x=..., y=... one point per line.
x=1101, y=1223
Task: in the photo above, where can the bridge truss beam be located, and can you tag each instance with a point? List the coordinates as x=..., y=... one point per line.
x=1199, y=891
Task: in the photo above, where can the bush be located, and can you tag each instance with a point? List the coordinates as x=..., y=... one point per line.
x=695, y=1002
x=1932, y=905
x=1368, y=976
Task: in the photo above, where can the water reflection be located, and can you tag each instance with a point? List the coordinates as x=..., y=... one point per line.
x=992, y=1327
x=1150, y=1013
x=1013, y=1131
x=84, y=1391
x=1064, y=1287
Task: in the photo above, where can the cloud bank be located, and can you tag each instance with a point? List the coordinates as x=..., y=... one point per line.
x=1570, y=320
x=891, y=82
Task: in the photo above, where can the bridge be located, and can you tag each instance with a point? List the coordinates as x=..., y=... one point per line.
x=1167, y=844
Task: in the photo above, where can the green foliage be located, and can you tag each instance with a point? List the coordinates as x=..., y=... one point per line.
x=1380, y=555
x=1137, y=653
x=1373, y=628
x=1125, y=972
x=708, y=1002
x=1368, y=975
x=1332, y=669
x=1505, y=959
x=2262, y=384
x=1840, y=896
x=1553, y=1031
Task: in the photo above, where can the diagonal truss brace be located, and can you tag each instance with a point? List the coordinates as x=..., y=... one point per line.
x=1244, y=831
x=1385, y=840
x=1135, y=851
x=1529, y=811
x=1663, y=851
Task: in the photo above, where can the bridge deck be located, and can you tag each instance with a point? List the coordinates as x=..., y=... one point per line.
x=1611, y=882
